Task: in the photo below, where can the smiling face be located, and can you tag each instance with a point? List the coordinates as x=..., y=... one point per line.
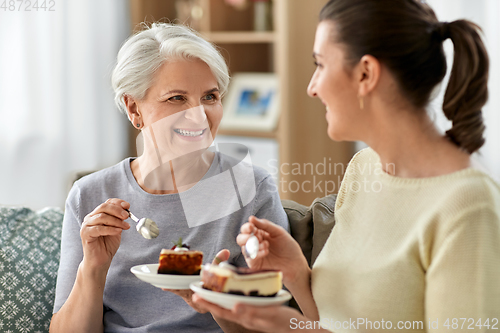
x=334, y=85
x=182, y=109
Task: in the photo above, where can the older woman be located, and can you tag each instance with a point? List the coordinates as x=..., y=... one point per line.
x=422, y=252
x=169, y=81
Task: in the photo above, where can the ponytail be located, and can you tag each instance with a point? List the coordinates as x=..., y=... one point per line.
x=467, y=90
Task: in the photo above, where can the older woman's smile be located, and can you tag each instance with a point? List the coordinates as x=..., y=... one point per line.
x=191, y=134
x=186, y=132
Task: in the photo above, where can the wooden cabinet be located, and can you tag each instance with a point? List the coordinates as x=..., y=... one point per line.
x=310, y=164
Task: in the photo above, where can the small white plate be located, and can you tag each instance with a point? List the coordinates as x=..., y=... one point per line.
x=227, y=301
x=149, y=274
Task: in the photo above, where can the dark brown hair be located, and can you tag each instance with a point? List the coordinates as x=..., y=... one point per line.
x=406, y=36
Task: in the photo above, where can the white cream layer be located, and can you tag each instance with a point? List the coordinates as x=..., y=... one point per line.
x=266, y=283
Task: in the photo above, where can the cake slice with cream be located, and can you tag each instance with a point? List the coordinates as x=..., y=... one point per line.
x=229, y=279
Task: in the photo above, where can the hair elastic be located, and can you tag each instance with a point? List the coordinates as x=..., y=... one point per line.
x=443, y=29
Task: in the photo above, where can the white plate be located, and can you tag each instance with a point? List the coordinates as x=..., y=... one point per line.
x=149, y=273
x=227, y=301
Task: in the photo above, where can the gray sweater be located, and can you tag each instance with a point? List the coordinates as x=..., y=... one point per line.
x=131, y=305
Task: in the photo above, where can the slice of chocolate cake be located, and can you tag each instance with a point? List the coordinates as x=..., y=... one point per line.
x=180, y=260
x=229, y=279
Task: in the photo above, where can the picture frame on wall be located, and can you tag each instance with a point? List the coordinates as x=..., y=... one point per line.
x=252, y=102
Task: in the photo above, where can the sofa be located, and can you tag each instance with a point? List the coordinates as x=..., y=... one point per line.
x=30, y=250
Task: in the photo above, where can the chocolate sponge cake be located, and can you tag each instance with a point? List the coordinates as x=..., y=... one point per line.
x=180, y=260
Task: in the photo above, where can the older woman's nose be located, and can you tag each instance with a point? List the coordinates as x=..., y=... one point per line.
x=196, y=114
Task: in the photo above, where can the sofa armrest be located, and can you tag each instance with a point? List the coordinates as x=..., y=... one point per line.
x=301, y=226
x=311, y=226
x=323, y=216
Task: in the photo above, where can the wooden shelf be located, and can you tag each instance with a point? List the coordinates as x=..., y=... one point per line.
x=255, y=134
x=241, y=37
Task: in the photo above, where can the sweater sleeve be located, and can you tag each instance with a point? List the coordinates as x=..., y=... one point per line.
x=71, y=248
x=462, y=280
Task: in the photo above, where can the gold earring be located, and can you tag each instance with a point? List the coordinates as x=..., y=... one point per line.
x=361, y=103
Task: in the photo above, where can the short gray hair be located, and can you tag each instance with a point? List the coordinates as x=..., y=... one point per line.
x=144, y=52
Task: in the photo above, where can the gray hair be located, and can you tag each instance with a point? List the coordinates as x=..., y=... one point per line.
x=144, y=52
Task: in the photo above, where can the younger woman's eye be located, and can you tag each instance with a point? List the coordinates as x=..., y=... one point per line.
x=317, y=64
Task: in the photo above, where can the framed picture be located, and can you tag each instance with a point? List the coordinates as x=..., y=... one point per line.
x=251, y=102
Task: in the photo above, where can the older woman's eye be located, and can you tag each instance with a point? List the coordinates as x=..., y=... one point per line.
x=177, y=98
x=210, y=97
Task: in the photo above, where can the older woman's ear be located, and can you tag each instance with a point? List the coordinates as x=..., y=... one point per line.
x=133, y=113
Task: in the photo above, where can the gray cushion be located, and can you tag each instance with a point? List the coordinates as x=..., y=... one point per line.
x=29, y=259
x=311, y=226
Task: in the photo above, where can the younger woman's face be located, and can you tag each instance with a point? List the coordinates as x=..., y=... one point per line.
x=334, y=86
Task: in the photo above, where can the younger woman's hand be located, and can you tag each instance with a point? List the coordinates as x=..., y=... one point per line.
x=272, y=319
x=278, y=250
x=101, y=233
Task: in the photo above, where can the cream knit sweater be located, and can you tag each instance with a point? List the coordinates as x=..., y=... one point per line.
x=411, y=254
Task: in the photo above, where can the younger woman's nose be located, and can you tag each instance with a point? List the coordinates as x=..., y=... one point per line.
x=196, y=114
x=311, y=89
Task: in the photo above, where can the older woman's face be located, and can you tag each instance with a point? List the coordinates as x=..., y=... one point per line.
x=182, y=106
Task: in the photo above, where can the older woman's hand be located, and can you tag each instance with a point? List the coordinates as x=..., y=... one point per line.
x=278, y=250
x=101, y=233
x=187, y=294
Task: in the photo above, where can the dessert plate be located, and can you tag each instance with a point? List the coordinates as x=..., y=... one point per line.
x=227, y=301
x=149, y=274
